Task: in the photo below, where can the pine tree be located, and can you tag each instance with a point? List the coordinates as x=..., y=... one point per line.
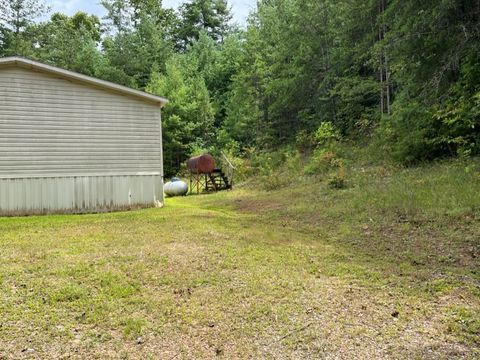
x=15, y=17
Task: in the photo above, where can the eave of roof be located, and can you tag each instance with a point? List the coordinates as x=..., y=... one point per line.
x=34, y=65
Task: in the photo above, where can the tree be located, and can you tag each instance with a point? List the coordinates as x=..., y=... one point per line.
x=433, y=49
x=119, y=15
x=15, y=17
x=247, y=119
x=189, y=117
x=139, y=41
x=210, y=16
x=70, y=42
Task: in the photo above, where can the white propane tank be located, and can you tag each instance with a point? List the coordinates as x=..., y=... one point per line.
x=175, y=187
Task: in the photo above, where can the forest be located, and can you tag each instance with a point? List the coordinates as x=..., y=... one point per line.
x=400, y=77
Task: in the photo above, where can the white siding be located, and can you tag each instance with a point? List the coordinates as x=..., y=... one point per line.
x=50, y=126
x=66, y=146
x=27, y=196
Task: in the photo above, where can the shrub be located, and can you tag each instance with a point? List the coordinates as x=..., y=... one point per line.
x=326, y=134
x=273, y=170
x=322, y=161
x=243, y=165
x=338, y=180
x=305, y=142
x=416, y=133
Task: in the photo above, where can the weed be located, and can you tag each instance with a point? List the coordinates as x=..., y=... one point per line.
x=68, y=293
x=465, y=323
x=132, y=327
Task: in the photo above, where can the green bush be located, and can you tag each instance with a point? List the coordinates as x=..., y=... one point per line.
x=326, y=134
x=322, y=161
x=338, y=180
x=275, y=169
x=325, y=156
x=416, y=133
x=305, y=141
x=413, y=128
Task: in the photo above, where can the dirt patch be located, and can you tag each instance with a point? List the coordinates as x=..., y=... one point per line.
x=251, y=205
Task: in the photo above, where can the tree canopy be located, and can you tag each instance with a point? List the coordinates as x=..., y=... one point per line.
x=401, y=73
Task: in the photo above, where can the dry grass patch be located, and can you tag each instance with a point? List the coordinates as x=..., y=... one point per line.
x=249, y=274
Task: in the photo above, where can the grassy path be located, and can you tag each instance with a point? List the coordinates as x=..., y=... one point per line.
x=384, y=269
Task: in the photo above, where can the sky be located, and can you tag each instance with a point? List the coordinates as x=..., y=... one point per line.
x=240, y=8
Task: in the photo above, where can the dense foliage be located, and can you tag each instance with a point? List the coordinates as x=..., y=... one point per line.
x=401, y=74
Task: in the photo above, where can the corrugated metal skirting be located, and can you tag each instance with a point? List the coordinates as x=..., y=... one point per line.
x=78, y=194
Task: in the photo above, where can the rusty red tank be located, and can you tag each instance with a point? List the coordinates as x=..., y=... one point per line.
x=203, y=164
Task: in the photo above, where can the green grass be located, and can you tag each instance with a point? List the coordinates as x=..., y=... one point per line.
x=386, y=268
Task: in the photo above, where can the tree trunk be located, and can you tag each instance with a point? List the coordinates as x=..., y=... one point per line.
x=387, y=81
x=384, y=72
x=380, y=65
x=387, y=70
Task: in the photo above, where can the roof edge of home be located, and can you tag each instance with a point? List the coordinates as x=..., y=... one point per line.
x=20, y=61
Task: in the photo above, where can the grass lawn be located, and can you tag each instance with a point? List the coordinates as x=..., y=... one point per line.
x=387, y=268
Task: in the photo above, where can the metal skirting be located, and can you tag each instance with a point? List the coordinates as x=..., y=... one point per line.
x=78, y=194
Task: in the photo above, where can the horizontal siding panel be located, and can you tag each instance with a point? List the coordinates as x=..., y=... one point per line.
x=67, y=147
x=76, y=162
x=41, y=126
x=79, y=194
x=41, y=81
x=71, y=109
x=73, y=152
x=71, y=142
x=81, y=164
x=24, y=174
x=51, y=126
x=68, y=172
x=64, y=99
x=38, y=131
x=66, y=94
x=108, y=122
